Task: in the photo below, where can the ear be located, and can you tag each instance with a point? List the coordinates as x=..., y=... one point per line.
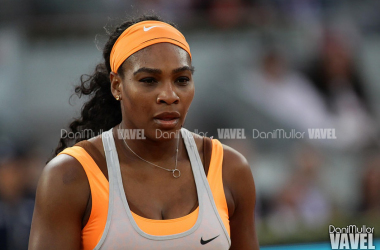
x=116, y=86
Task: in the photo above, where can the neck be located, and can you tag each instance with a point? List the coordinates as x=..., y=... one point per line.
x=155, y=151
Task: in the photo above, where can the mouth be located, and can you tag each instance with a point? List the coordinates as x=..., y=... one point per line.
x=167, y=120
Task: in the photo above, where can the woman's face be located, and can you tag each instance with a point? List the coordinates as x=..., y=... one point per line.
x=156, y=89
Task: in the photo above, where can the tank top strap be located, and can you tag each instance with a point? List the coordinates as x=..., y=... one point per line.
x=122, y=231
x=99, y=193
x=215, y=175
x=215, y=180
x=107, y=146
x=114, y=167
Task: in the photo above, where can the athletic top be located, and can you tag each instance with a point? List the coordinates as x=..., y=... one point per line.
x=116, y=227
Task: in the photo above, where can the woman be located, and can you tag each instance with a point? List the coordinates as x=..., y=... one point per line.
x=142, y=184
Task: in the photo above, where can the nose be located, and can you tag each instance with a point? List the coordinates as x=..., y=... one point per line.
x=167, y=95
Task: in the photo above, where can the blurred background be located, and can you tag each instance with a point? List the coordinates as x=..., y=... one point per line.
x=259, y=64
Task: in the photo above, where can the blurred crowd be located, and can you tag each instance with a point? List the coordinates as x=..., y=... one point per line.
x=42, y=15
x=299, y=183
x=20, y=169
x=327, y=93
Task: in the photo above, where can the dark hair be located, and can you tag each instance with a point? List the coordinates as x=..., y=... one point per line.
x=102, y=111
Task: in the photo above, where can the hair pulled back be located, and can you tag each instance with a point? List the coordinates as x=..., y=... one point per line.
x=102, y=111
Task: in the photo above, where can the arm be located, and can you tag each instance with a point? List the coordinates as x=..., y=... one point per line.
x=62, y=195
x=241, y=195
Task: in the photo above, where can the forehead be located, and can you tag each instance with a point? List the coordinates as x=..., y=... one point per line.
x=158, y=56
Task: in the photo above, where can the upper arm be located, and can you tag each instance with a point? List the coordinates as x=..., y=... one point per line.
x=239, y=184
x=61, y=199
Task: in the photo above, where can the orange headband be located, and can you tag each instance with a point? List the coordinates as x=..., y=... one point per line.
x=141, y=35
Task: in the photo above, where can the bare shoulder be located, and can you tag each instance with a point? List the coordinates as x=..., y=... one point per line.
x=63, y=169
x=234, y=163
x=241, y=194
x=61, y=200
x=63, y=178
x=237, y=179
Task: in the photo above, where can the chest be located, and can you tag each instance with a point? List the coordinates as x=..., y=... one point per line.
x=154, y=193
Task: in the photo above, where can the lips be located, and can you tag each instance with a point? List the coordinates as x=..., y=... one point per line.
x=167, y=116
x=167, y=120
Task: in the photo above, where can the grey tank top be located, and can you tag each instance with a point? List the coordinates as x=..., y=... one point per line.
x=121, y=230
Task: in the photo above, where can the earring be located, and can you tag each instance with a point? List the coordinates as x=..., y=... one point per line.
x=117, y=97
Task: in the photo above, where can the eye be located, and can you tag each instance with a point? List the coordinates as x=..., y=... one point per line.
x=183, y=80
x=148, y=80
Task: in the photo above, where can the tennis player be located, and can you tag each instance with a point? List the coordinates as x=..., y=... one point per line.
x=144, y=182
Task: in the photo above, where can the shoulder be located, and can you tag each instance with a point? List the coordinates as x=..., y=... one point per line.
x=62, y=195
x=234, y=161
x=63, y=175
x=63, y=184
x=64, y=167
x=240, y=191
x=237, y=177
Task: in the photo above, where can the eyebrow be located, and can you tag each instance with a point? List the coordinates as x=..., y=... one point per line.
x=184, y=68
x=158, y=71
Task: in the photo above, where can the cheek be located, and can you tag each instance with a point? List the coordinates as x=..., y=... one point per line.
x=188, y=96
x=135, y=103
x=139, y=106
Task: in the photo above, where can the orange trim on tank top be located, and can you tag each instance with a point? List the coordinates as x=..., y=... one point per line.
x=93, y=230
x=215, y=180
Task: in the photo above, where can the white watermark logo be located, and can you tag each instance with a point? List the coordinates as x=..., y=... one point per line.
x=131, y=134
x=313, y=133
x=321, y=133
x=223, y=133
x=175, y=134
x=84, y=134
x=351, y=237
x=200, y=134
x=231, y=133
x=278, y=134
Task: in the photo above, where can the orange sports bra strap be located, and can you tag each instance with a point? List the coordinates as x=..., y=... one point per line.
x=215, y=180
x=89, y=166
x=99, y=195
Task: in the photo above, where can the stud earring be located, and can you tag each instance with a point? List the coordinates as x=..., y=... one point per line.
x=117, y=97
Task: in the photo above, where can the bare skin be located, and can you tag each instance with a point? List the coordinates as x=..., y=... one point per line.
x=63, y=192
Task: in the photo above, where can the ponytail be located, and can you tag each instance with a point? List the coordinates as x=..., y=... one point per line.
x=102, y=111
